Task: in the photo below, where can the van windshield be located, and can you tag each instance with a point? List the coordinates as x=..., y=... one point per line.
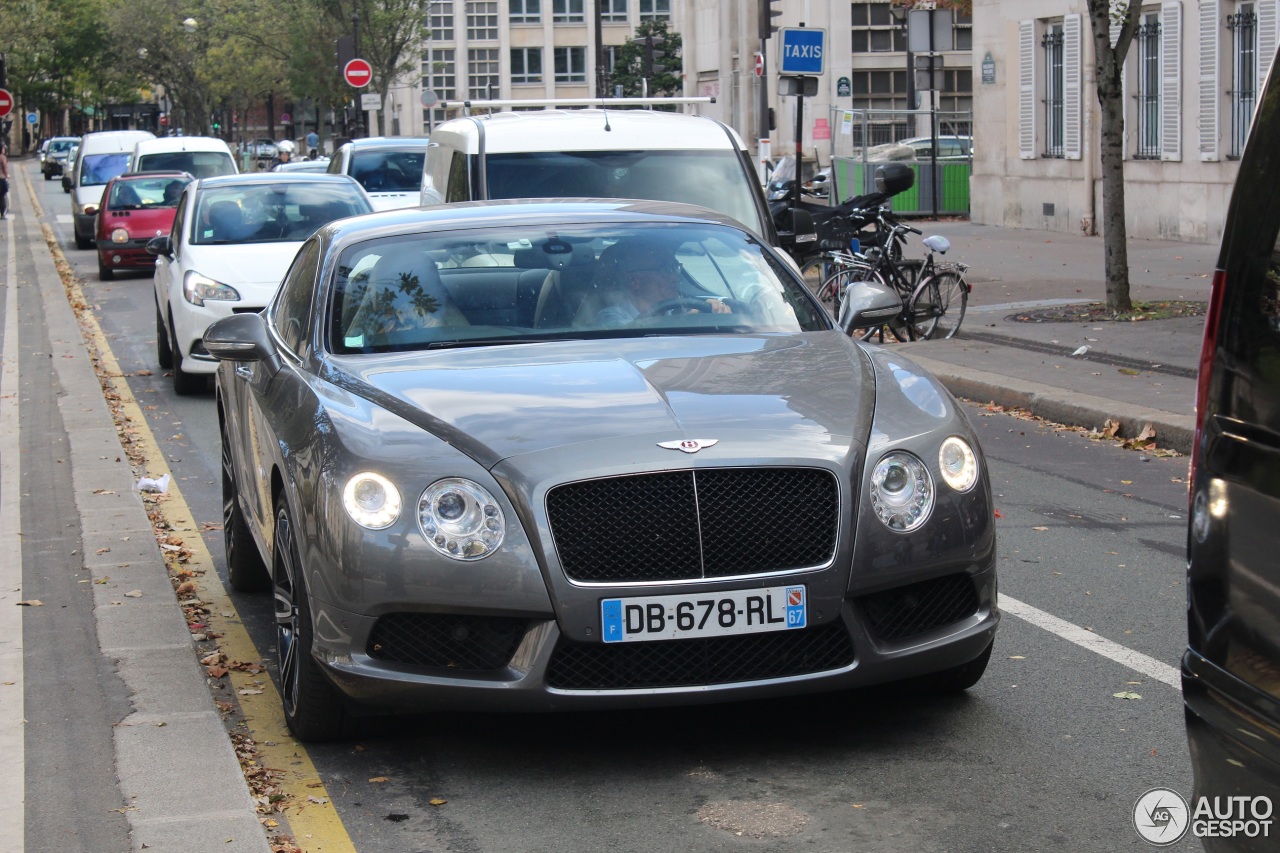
x=710, y=179
x=202, y=164
x=97, y=169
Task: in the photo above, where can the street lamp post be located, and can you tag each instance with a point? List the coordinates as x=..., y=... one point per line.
x=900, y=14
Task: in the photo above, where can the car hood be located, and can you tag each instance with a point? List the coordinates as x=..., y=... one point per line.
x=139, y=223
x=242, y=263
x=805, y=396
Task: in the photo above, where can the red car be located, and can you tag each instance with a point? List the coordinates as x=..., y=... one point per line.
x=137, y=207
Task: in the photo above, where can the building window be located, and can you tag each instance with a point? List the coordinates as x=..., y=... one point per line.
x=482, y=73
x=962, y=31
x=525, y=11
x=1053, y=90
x=439, y=75
x=655, y=10
x=567, y=12
x=440, y=21
x=955, y=101
x=526, y=65
x=1244, y=79
x=1148, y=95
x=482, y=20
x=875, y=31
x=571, y=64
x=613, y=11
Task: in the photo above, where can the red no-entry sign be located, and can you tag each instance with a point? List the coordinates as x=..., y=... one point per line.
x=6, y=102
x=357, y=73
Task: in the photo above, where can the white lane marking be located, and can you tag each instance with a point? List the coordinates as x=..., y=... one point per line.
x=64, y=219
x=1136, y=661
x=12, y=732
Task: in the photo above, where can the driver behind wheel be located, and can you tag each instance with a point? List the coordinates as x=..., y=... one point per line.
x=649, y=276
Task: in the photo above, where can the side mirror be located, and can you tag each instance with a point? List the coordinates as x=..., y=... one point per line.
x=240, y=337
x=866, y=303
x=160, y=246
x=802, y=228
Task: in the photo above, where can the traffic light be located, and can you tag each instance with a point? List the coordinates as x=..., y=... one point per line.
x=652, y=55
x=768, y=11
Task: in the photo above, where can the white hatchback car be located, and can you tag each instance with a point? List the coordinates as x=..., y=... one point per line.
x=233, y=239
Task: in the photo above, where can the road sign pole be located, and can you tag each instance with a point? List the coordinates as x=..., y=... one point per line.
x=795, y=190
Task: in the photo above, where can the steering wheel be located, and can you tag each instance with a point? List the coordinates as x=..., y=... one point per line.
x=678, y=305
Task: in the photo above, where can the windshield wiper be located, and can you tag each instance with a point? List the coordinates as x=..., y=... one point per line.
x=489, y=342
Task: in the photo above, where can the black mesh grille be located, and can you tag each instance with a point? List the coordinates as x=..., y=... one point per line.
x=919, y=607
x=710, y=660
x=445, y=640
x=692, y=524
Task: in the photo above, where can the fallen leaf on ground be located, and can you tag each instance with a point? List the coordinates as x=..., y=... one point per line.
x=31, y=602
x=133, y=593
x=1039, y=528
x=1126, y=694
x=437, y=801
x=378, y=779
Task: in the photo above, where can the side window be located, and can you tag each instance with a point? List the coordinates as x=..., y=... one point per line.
x=179, y=222
x=335, y=165
x=459, y=190
x=292, y=307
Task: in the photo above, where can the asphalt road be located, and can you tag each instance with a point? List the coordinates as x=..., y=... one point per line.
x=1041, y=755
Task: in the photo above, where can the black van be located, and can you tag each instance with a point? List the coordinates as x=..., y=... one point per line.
x=1231, y=669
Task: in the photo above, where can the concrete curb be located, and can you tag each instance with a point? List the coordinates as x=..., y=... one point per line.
x=169, y=808
x=1174, y=431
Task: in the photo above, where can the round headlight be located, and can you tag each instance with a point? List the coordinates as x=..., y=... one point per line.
x=119, y=235
x=958, y=463
x=461, y=519
x=901, y=491
x=371, y=500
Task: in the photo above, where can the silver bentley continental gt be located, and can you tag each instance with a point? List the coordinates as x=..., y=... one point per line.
x=570, y=454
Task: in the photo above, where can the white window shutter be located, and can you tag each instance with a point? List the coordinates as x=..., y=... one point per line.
x=1268, y=23
x=1027, y=90
x=1210, y=65
x=1171, y=80
x=1071, y=77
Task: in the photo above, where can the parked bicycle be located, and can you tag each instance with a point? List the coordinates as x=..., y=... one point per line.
x=934, y=294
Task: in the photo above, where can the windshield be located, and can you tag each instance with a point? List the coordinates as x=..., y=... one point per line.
x=202, y=164
x=712, y=179
x=97, y=169
x=388, y=171
x=272, y=213
x=146, y=193
x=60, y=146
x=495, y=286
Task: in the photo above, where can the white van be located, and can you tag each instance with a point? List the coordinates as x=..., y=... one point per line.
x=615, y=153
x=202, y=156
x=102, y=156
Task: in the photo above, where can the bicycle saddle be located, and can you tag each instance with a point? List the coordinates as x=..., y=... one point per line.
x=937, y=243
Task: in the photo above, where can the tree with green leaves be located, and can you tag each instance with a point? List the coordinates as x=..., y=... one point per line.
x=1123, y=17
x=391, y=34
x=628, y=68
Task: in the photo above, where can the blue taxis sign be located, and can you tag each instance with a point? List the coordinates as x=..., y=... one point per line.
x=803, y=51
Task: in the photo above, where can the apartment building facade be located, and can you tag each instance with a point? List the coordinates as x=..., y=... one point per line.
x=1191, y=76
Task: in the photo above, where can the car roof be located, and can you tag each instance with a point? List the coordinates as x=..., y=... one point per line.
x=138, y=176
x=588, y=130
x=250, y=178
x=498, y=213
x=180, y=143
x=412, y=143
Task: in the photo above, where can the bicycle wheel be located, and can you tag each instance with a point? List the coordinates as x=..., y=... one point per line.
x=815, y=272
x=938, y=304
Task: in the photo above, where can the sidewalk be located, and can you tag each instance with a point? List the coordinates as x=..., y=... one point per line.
x=1135, y=373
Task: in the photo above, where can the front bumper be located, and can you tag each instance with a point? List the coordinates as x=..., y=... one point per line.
x=541, y=669
x=126, y=256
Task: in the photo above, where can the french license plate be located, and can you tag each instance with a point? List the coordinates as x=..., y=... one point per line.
x=679, y=617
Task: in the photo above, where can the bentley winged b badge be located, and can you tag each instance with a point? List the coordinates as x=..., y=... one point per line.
x=689, y=445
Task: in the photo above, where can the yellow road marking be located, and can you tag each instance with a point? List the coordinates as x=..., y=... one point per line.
x=312, y=818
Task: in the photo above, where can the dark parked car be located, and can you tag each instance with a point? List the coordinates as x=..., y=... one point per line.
x=53, y=159
x=1231, y=670
x=551, y=455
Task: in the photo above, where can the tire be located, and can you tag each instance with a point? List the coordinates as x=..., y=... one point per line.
x=164, y=353
x=48, y=177
x=83, y=242
x=105, y=273
x=246, y=572
x=957, y=679
x=185, y=384
x=314, y=710
x=938, y=305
